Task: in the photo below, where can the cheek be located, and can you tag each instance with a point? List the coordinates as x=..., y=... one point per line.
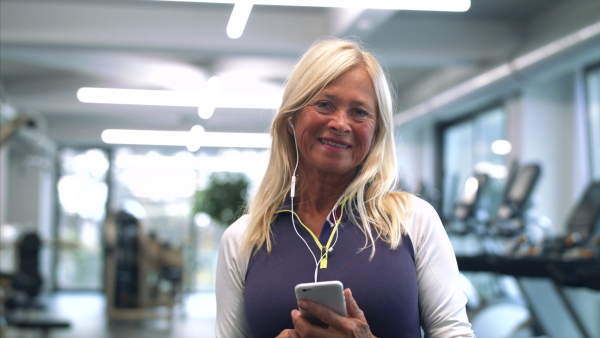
x=368, y=135
x=306, y=140
x=366, y=139
x=306, y=130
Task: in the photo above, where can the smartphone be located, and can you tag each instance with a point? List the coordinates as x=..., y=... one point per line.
x=329, y=294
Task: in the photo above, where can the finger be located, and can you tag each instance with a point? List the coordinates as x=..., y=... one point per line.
x=299, y=320
x=292, y=334
x=288, y=334
x=304, y=328
x=352, y=307
x=321, y=312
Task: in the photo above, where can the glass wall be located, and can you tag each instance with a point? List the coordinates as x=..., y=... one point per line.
x=474, y=145
x=158, y=188
x=155, y=186
x=593, y=117
x=82, y=194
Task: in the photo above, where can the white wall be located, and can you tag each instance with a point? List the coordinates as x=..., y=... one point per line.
x=415, y=154
x=23, y=209
x=550, y=136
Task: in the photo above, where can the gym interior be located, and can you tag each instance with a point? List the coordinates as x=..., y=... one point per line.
x=497, y=125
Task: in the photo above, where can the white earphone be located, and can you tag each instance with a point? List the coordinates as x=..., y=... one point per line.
x=292, y=195
x=293, y=188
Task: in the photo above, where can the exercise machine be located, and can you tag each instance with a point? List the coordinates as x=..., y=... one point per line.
x=137, y=269
x=20, y=306
x=503, y=309
x=544, y=266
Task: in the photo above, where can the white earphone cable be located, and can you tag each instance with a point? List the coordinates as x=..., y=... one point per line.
x=292, y=195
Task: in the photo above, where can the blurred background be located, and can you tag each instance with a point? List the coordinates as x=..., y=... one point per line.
x=132, y=131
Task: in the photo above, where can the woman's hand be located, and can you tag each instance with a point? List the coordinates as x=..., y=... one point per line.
x=355, y=325
x=288, y=334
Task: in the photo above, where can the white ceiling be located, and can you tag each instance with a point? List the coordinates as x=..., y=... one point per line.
x=51, y=48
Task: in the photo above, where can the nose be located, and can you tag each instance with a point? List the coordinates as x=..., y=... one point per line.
x=339, y=122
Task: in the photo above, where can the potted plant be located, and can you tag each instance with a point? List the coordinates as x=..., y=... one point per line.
x=224, y=197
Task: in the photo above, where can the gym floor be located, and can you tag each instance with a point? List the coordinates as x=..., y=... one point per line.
x=86, y=312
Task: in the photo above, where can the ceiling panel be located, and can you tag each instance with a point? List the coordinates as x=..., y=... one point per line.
x=51, y=48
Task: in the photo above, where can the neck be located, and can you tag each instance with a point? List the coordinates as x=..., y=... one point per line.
x=321, y=193
x=317, y=199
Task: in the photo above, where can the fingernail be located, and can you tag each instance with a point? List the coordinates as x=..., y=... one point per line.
x=303, y=305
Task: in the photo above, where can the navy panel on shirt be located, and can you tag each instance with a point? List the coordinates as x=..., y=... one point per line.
x=385, y=288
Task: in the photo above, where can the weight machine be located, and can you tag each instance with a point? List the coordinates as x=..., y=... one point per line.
x=137, y=267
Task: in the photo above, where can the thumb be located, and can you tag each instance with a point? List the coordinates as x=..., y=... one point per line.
x=292, y=334
x=352, y=307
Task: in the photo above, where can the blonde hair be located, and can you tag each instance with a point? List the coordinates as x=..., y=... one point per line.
x=371, y=192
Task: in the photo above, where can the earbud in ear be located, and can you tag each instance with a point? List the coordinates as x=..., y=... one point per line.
x=293, y=188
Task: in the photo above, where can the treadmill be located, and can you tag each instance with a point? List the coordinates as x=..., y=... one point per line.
x=571, y=260
x=510, y=222
x=506, y=312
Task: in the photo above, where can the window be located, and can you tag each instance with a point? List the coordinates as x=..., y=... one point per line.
x=82, y=194
x=593, y=119
x=158, y=188
x=474, y=145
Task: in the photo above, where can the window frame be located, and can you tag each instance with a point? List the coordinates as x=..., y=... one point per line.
x=440, y=146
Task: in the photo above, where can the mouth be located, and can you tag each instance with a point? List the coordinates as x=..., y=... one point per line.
x=334, y=144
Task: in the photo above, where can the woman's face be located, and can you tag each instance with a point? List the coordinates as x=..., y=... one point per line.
x=334, y=131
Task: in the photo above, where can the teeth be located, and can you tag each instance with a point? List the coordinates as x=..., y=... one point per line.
x=335, y=144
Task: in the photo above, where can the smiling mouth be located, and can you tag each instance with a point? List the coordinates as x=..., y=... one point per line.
x=333, y=144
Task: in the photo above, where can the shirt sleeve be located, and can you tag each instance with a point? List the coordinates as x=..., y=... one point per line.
x=229, y=288
x=441, y=300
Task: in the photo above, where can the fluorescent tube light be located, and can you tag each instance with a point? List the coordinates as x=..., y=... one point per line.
x=145, y=137
x=237, y=140
x=182, y=138
x=239, y=17
x=206, y=108
x=176, y=98
x=419, y=5
x=139, y=97
x=194, y=139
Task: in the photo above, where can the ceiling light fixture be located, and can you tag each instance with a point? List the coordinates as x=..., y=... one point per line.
x=176, y=98
x=242, y=8
x=206, y=108
x=421, y=5
x=239, y=17
x=138, y=97
x=194, y=139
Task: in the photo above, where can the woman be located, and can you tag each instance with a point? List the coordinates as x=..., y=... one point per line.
x=326, y=210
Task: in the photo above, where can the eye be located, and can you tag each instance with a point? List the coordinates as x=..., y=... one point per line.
x=323, y=104
x=361, y=113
